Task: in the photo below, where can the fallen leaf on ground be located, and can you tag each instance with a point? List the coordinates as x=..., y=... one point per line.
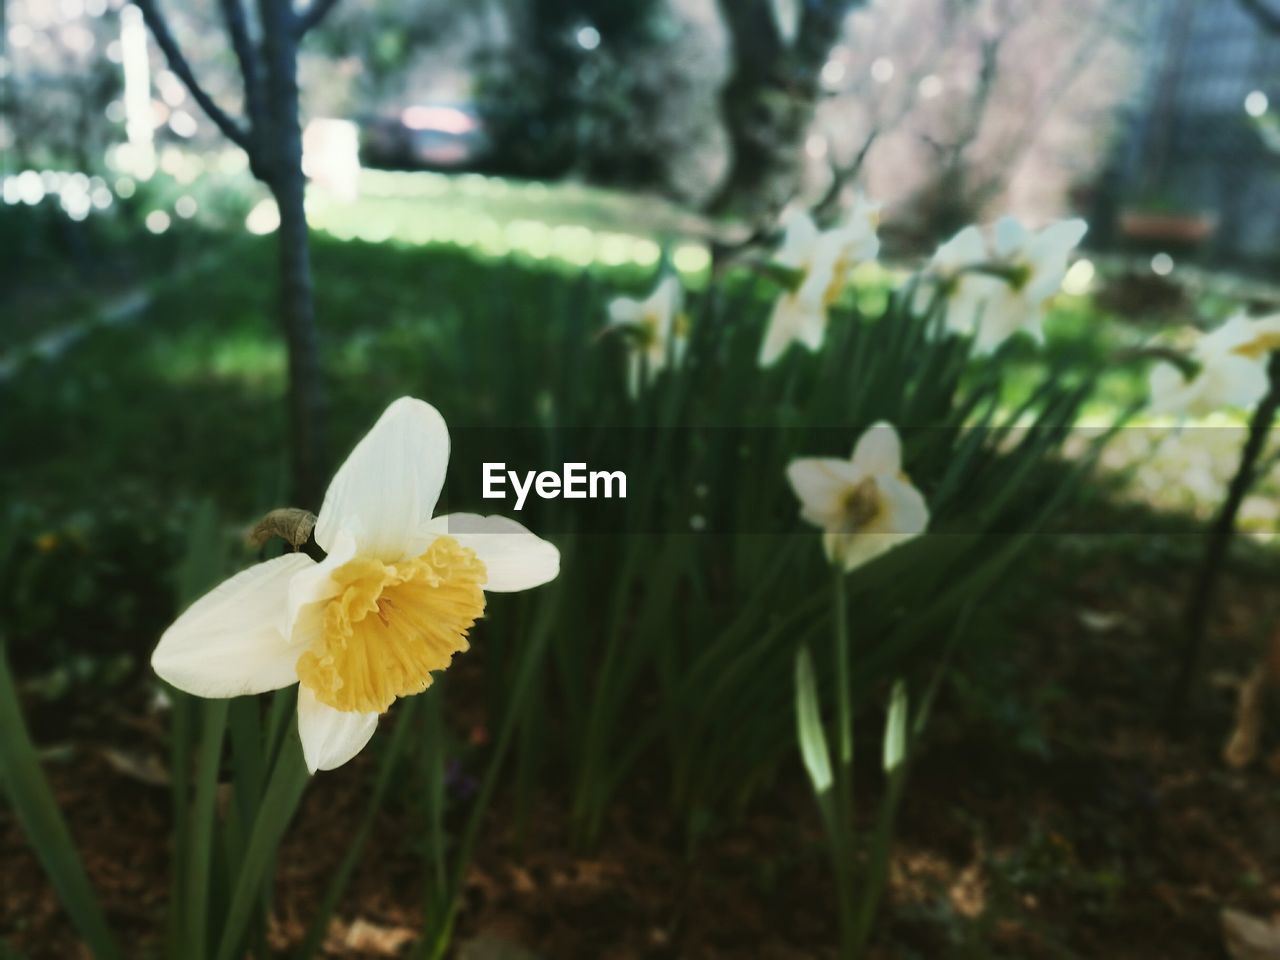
x=147, y=769
x=364, y=937
x=1248, y=937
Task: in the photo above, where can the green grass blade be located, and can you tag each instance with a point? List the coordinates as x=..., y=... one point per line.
x=284, y=791
x=33, y=802
x=532, y=656
x=202, y=827
x=180, y=748
x=338, y=885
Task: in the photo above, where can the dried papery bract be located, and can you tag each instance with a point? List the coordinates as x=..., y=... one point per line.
x=291, y=524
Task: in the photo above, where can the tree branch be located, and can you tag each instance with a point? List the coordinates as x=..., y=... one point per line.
x=178, y=64
x=843, y=174
x=1267, y=18
x=238, y=29
x=310, y=17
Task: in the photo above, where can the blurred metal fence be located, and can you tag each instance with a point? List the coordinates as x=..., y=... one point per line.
x=1196, y=168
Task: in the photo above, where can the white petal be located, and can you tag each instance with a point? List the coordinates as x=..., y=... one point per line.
x=330, y=737
x=1009, y=236
x=1003, y=313
x=964, y=249
x=1048, y=252
x=625, y=310
x=963, y=305
x=667, y=298
x=852, y=550
x=635, y=374
x=879, y=451
x=800, y=235
x=820, y=483
x=316, y=583
x=812, y=327
x=1168, y=389
x=1061, y=236
x=514, y=558
x=389, y=485
x=905, y=511
x=783, y=323
x=1236, y=382
x=822, y=276
x=231, y=641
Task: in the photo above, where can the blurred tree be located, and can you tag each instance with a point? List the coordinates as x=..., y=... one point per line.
x=575, y=86
x=57, y=84
x=386, y=40
x=1267, y=17
x=271, y=135
x=769, y=100
x=946, y=109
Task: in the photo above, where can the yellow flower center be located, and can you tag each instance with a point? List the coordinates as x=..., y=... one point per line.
x=391, y=625
x=861, y=505
x=835, y=286
x=648, y=329
x=1262, y=344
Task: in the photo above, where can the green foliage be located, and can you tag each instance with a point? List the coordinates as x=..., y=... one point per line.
x=33, y=802
x=554, y=106
x=672, y=633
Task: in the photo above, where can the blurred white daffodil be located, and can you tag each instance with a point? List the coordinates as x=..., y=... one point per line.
x=658, y=330
x=995, y=280
x=819, y=262
x=391, y=602
x=1230, y=369
x=864, y=505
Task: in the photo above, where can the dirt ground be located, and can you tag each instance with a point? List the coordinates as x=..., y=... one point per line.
x=1049, y=815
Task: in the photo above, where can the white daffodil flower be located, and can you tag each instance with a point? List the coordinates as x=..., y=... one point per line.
x=1231, y=369
x=659, y=330
x=864, y=505
x=996, y=280
x=391, y=602
x=821, y=261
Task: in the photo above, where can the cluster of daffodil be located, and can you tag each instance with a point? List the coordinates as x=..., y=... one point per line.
x=1225, y=367
x=1235, y=365
x=984, y=285
x=987, y=284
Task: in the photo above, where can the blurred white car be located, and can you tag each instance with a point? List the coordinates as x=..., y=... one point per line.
x=444, y=136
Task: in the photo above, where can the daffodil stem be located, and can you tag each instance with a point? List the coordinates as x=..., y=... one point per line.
x=280, y=800
x=842, y=813
x=1204, y=589
x=202, y=825
x=844, y=707
x=342, y=877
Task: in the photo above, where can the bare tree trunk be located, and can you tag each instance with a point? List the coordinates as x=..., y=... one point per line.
x=769, y=100
x=297, y=308
x=271, y=135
